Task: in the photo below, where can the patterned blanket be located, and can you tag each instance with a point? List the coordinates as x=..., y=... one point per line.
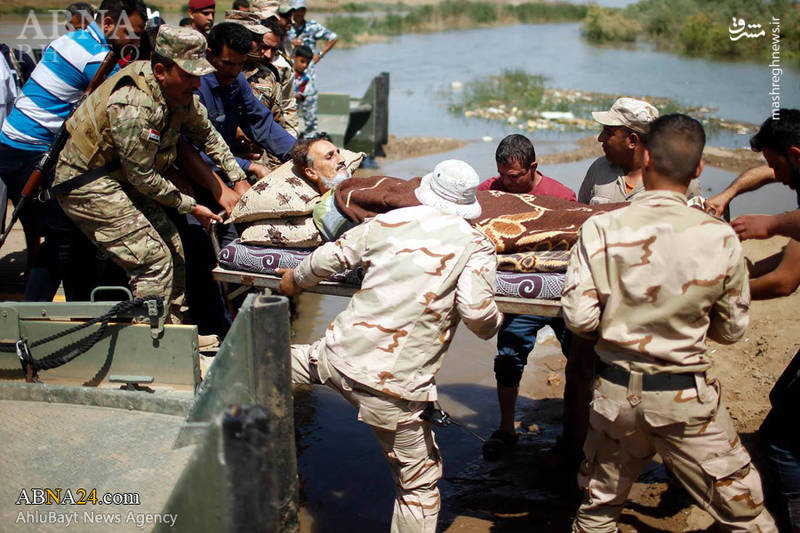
x=515, y=222
x=261, y=260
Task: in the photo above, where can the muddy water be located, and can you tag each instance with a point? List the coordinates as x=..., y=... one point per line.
x=346, y=484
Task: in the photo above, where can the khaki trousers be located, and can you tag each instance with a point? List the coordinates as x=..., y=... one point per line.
x=692, y=432
x=407, y=441
x=138, y=236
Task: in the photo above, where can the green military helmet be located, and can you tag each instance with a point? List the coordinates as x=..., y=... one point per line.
x=250, y=20
x=186, y=47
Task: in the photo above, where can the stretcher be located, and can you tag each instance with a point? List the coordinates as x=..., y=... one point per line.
x=254, y=267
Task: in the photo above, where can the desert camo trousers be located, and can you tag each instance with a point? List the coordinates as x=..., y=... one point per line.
x=138, y=236
x=694, y=435
x=409, y=447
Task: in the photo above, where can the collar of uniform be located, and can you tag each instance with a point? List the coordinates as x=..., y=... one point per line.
x=660, y=197
x=158, y=94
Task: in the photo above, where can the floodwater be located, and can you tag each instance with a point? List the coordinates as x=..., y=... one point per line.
x=346, y=484
x=422, y=67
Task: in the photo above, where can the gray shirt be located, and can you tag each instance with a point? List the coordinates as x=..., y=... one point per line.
x=605, y=183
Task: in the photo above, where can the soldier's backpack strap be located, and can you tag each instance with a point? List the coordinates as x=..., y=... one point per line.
x=65, y=187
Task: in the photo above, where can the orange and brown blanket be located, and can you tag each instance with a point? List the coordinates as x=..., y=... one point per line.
x=517, y=223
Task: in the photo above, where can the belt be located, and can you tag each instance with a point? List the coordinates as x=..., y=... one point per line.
x=80, y=180
x=650, y=382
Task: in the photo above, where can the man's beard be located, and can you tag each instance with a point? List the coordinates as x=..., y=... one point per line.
x=330, y=183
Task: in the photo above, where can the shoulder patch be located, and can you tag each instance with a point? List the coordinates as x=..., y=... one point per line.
x=149, y=134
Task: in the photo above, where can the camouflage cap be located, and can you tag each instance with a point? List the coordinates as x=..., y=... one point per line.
x=251, y=21
x=186, y=47
x=264, y=8
x=285, y=8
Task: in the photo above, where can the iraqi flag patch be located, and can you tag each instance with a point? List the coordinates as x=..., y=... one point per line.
x=149, y=134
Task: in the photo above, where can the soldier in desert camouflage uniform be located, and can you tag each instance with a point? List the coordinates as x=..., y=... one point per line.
x=425, y=267
x=128, y=128
x=651, y=281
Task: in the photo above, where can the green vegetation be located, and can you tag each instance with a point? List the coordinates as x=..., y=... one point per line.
x=699, y=27
x=449, y=14
x=521, y=98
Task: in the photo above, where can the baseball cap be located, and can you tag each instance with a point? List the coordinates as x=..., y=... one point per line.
x=251, y=21
x=285, y=8
x=629, y=112
x=264, y=8
x=452, y=188
x=298, y=4
x=186, y=47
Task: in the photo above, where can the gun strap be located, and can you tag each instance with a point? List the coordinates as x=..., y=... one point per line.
x=65, y=187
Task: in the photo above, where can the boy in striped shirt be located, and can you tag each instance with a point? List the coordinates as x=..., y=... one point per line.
x=68, y=65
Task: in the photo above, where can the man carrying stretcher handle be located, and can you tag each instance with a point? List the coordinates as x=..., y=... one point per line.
x=424, y=268
x=649, y=282
x=122, y=143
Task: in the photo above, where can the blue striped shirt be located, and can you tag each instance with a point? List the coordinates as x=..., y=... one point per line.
x=68, y=65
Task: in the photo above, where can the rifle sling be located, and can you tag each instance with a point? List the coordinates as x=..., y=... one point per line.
x=65, y=187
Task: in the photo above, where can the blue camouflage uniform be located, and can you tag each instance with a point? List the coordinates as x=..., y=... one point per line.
x=310, y=32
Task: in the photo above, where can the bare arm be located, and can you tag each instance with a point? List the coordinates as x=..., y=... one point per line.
x=766, y=226
x=778, y=275
x=749, y=180
x=330, y=44
x=193, y=166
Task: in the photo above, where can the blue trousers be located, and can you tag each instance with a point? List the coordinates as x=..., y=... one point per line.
x=516, y=340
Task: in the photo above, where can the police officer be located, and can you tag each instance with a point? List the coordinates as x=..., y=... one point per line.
x=650, y=282
x=110, y=176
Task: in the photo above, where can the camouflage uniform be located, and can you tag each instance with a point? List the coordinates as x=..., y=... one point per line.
x=268, y=79
x=291, y=120
x=128, y=118
x=653, y=280
x=424, y=270
x=305, y=86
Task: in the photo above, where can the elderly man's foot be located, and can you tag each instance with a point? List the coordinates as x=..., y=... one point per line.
x=501, y=443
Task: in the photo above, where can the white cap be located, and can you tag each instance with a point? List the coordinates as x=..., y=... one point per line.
x=629, y=112
x=451, y=188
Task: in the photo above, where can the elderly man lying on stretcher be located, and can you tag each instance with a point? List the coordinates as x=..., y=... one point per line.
x=312, y=199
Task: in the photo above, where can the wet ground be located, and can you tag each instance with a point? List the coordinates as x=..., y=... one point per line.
x=345, y=479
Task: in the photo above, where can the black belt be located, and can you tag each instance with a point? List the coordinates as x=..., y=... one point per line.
x=80, y=180
x=650, y=382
